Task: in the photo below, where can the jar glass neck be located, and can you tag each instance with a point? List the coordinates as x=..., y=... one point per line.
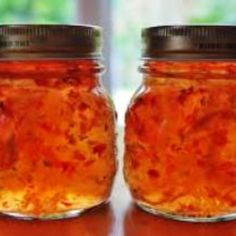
x=83, y=73
x=51, y=67
x=191, y=69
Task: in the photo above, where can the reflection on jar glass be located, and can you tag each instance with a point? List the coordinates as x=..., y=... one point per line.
x=57, y=144
x=180, y=158
x=140, y=223
x=97, y=222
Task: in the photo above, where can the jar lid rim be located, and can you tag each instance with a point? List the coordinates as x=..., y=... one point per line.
x=189, y=41
x=50, y=41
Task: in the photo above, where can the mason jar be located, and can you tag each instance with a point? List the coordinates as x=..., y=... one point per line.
x=180, y=135
x=57, y=142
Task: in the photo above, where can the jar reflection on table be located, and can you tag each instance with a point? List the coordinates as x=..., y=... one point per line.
x=97, y=222
x=140, y=223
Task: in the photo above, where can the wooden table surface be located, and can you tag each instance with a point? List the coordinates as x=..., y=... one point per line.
x=117, y=218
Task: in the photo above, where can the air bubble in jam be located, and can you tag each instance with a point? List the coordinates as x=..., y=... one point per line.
x=180, y=139
x=57, y=139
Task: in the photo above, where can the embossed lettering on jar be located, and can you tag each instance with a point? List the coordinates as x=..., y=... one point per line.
x=180, y=157
x=57, y=144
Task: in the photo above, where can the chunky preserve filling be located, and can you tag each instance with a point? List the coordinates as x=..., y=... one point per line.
x=180, y=139
x=57, y=142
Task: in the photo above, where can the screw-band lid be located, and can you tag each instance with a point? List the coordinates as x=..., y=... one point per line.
x=50, y=41
x=186, y=42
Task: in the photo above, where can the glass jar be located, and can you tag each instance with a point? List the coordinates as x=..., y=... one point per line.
x=57, y=142
x=180, y=135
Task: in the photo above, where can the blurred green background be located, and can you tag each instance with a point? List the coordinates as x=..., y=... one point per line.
x=214, y=11
x=36, y=11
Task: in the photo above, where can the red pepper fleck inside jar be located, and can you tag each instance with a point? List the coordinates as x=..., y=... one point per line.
x=180, y=156
x=57, y=142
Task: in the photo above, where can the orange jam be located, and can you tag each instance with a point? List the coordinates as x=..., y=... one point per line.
x=180, y=134
x=57, y=142
x=180, y=139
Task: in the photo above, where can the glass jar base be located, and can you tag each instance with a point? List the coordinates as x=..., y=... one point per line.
x=218, y=218
x=54, y=216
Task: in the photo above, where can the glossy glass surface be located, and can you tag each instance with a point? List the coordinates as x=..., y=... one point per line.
x=57, y=143
x=180, y=157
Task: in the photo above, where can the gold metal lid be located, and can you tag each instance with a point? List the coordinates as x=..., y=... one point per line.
x=189, y=42
x=50, y=41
